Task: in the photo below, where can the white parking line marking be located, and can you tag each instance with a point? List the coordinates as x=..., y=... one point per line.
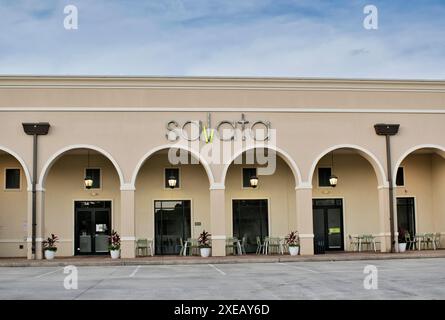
x=300, y=268
x=135, y=271
x=47, y=273
x=219, y=270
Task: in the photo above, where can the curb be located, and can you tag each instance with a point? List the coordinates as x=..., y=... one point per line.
x=214, y=260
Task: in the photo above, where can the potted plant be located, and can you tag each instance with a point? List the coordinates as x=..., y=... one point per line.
x=204, y=244
x=293, y=242
x=402, y=239
x=49, y=247
x=115, y=245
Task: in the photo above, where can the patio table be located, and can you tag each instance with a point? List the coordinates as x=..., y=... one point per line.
x=237, y=243
x=192, y=244
x=419, y=238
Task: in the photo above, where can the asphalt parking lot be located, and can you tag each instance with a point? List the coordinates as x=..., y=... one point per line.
x=396, y=279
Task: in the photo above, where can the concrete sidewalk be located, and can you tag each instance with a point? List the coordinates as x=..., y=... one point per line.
x=178, y=260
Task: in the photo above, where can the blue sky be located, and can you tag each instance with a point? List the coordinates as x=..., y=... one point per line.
x=290, y=38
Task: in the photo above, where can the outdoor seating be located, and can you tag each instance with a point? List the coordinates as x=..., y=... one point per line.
x=437, y=240
x=365, y=242
x=192, y=245
x=410, y=242
x=260, y=246
x=233, y=246
x=272, y=245
x=353, y=243
x=243, y=245
x=143, y=246
x=181, y=247
x=429, y=241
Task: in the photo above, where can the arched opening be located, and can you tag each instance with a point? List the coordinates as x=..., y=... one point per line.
x=14, y=177
x=166, y=213
x=420, y=196
x=260, y=208
x=348, y=209
x=82, y=216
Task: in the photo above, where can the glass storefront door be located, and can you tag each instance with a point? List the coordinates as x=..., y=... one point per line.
x=250, y=220
x=328, y=224
x=93, y=227
x=172, y=222
x=406, y=219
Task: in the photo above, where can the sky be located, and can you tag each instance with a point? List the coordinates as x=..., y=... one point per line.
x=242, y=38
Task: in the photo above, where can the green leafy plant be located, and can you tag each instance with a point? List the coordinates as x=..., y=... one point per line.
x=403, y=233
x=50, y=243
x=204, y=239
x=293, y=239
x=114, y=241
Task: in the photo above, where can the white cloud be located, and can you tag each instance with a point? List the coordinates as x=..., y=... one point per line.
x=231, y=38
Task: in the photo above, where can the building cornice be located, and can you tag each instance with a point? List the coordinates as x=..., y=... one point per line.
x=220, y=83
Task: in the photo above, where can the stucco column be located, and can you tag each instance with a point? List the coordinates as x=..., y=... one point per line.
x=40, y=224
x=384, y=220
x=305, y=219
x=218, y=221
x=127, y=226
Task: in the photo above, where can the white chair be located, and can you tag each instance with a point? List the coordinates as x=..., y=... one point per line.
x=353, y=243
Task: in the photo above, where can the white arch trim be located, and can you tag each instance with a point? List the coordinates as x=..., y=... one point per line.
x=283, y=154
x=411, y=150
x=368, y=155
x=194, y=153
x=58, y=154
x=22, y=163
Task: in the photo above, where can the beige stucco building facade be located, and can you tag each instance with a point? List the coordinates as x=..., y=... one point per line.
x=125, y=127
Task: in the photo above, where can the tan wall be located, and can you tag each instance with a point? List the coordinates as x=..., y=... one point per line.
x=278, y=189
x=357, y=186
x=424, y=179
x=150, y=187
x=418, y=184
x=13, y=212
x=127, y=117
x=439, y=195
x=65, y=184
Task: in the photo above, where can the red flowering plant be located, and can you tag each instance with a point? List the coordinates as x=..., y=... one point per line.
x=204, y=239
x=293, y=239
x=114, y=241
x=50, y=243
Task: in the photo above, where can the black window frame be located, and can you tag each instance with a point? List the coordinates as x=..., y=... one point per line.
x=16, y=186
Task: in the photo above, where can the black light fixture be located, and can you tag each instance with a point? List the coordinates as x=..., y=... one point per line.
x=172, y=181
x=88, y=179
x=253, y=181
x=333, y=179
x=35, y=130
x=388, y=130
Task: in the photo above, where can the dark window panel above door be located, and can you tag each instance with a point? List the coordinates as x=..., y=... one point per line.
x=247, y=174
x=323, y=177
x=172, y=172
x=12, y=179
x=400, y=178
x=95, y=174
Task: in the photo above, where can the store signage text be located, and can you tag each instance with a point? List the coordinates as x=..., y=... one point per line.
x=225, y=130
